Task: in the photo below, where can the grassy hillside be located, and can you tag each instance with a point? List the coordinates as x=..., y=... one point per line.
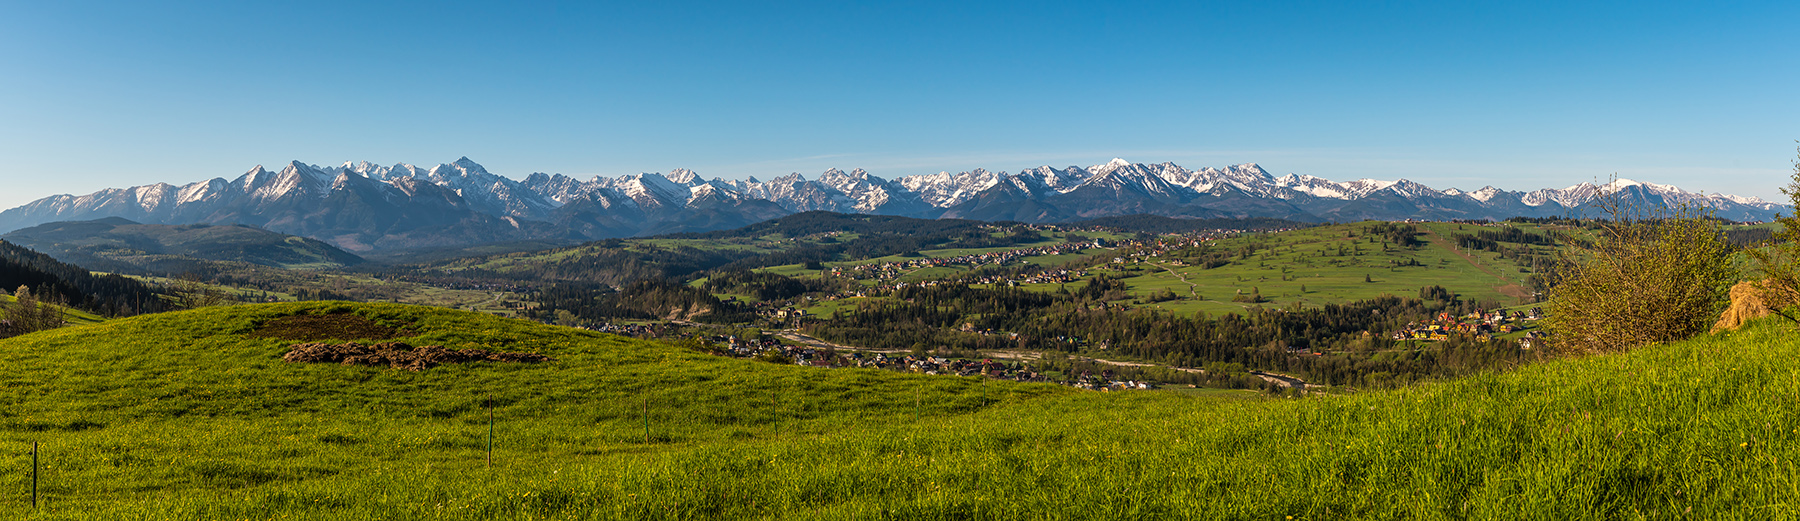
x=184, y=416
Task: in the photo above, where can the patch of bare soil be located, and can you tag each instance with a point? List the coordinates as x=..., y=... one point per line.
x=400, y=356
x=312, y=328
x=1513, y=290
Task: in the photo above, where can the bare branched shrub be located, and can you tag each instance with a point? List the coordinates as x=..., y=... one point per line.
x=1651, y=274
x=192, y=293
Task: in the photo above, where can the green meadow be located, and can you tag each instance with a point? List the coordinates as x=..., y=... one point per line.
x=1326, y=265
x=939, y=272
x=1306, y=267
x=185, y=416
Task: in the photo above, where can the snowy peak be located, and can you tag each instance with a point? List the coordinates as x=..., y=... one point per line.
x=683, y=176
x=560, y=189
x=1060, y=180
x=295, y=180
x=1412, y=190
x=1313, y=186
x=1570, y=197
x=1363, y=187
x=467, y=165
x=653, y=190
x=1485, y=194
x=943, y=189
x=210, y=189
x=1141, y=179
x=870, y=193
x=1108, y=167
x=310, y=172
x=708, y=194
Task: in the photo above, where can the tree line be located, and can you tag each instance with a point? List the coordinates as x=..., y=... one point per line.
x=55, y=281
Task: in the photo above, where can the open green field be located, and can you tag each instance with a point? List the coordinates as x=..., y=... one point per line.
x=1318, y=266
x=235, y=292
x=365, y=286
x=827, y=307
x=183, y=416
x=938, y=272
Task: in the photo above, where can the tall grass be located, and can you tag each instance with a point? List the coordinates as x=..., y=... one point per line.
x=1697, y=429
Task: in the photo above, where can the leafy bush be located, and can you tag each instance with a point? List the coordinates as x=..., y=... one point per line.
x=1651, y=275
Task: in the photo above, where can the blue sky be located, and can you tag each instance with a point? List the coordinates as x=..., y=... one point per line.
x=1516, y=95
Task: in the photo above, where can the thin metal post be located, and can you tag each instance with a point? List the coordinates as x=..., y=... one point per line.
x=490, y=451
x=34, y=475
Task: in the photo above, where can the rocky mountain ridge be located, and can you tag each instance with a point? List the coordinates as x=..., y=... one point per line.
x=361, y=206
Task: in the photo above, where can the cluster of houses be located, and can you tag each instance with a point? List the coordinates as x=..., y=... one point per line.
x=630, y=330
x=1482, y=325
x=829, y=358
x=1056, y=276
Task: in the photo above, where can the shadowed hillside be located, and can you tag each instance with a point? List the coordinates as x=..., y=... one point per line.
x=119, y=245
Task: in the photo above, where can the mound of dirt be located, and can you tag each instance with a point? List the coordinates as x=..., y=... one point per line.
x=400, y=356
x=312, y=328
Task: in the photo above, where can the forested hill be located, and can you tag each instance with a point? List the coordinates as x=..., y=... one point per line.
x=53, y=280
x=1158, y=224
x=122, y=246
x=804, y=238
x=811, y=223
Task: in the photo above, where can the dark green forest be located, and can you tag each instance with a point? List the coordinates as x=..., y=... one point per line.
x=61, y=283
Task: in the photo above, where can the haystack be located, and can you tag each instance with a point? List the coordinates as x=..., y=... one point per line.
x=1750, y=300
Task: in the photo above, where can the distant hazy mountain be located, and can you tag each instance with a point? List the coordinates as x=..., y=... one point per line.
x=363, y=207
x=115, y=244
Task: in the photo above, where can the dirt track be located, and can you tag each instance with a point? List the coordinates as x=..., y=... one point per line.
x=1446, y=244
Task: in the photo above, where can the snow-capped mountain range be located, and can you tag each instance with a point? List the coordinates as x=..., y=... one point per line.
x=360, y=206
